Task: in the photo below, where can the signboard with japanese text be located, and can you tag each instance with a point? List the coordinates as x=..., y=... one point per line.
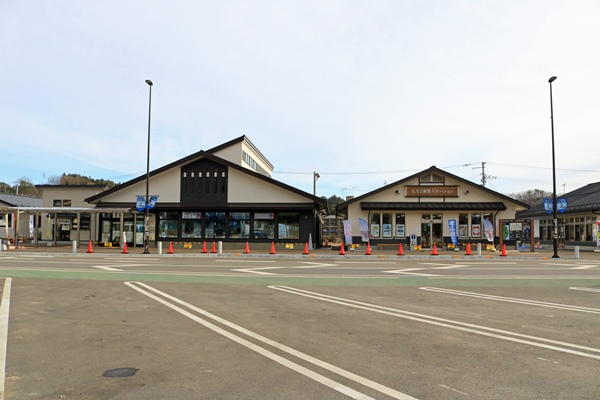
x=431, y=191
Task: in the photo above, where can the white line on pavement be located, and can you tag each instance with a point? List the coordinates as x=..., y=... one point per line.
x=585, y=289
x=409, y=271
x=289, y=364
x=513, y=300
x=461, y=326
x=4, y=311
x=106, y=268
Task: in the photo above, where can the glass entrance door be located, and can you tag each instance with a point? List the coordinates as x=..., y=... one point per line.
x=431, y=230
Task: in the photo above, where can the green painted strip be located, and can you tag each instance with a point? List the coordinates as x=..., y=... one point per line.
x=404, y=281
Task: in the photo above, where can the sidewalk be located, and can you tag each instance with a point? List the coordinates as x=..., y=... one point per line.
x=323, y=252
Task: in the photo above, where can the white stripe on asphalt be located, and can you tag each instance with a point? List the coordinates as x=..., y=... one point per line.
x=106, y=268
x=585, y=289
x=4, y=311
x=461, y=326
x=289, y=364
x=513, y=300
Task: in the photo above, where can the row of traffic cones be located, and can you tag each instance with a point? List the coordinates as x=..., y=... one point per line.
x=342, y=252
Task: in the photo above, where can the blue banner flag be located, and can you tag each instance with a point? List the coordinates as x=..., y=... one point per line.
x=152, y=202
x=141, y=203
x=452, y=228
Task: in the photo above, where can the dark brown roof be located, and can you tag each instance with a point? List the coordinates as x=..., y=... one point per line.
x=585, y=199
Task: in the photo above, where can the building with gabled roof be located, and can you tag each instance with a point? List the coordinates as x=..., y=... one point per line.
x=430, y=207
x=222, y=194
x=578, y=223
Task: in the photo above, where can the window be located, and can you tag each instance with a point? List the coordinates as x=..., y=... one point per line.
x=167, y=224
x=191, y=225
x=264, y=226
x=375, y=225
x=289, y=225
x=215, y=225
x=400, y=226
x=239, y=225
x=475, y=225
x=386, y=224
x=431, y=178
x=463, y=225
x=57, y=203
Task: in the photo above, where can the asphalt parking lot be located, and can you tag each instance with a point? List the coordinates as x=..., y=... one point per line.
x=112, y=327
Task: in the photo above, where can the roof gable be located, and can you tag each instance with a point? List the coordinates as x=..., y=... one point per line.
x=431, y=175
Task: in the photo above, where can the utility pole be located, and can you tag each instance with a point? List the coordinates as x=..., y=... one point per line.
x=484, y=177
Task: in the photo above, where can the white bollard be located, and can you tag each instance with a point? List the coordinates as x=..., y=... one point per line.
x=74, y=249
x=159, y=247
x=220, y=247
x=0, y=245
x=577, y=252
x=478, y=249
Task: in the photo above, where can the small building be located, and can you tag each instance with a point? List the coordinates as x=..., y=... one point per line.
x=223, y=194
x=65, y=213
x=578, y=219
x=25, y=223
x=430, y=207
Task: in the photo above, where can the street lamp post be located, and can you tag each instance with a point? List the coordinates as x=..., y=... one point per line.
x=146, y=215
x=555, y=219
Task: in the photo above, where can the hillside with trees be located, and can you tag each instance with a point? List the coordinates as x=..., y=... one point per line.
x=25, y=186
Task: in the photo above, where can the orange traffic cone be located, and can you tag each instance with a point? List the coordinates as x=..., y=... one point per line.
x=204, y=247
x=272, y=248
x=125, y=248
x=400, y=251
x=342, y=251
x=214, y=247
x=247, y=251
x=368, y=252
x=305, y=248
x=170, y=248
x=503, y=251
x=434, y=251
x=90, y=250
x=468, y=253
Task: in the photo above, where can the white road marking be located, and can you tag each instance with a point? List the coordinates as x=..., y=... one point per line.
x=586, y=267
x=513, y=300
x=314, y=265
x=283, y=361
x=365, y=262
x=461, y=326
x=453, y=266
x=585, y=289
x=4, y=311
x=409, y=271
x=454, y=390
x=106, y=268
x=257, y=270
x=245, y=261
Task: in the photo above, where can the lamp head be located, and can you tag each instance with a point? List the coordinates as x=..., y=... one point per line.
x=149, y=82
x=549, y=80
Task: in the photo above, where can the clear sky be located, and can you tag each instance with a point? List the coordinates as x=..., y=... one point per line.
x=363, y=92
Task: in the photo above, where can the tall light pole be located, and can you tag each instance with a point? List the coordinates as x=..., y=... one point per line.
x=555, y=219
x=315, y=177
x=146, y=210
